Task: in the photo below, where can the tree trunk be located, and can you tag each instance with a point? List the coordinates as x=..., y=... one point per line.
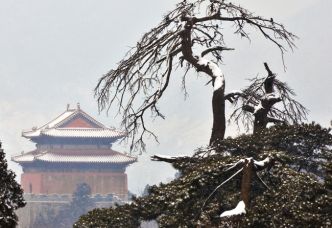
x=260, y=121
x=219, y=120
x=248, y=170
x=261, y=115
x=211, y=69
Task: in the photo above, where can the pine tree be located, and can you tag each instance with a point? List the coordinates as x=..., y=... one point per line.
x=11, y=194
x=66, y=216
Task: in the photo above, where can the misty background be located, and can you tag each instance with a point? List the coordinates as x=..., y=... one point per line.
x=53, y=52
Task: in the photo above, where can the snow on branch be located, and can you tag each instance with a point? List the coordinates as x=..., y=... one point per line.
x=217, y=75
x=262, y=163
x=234, y=165
x=166, y=158
x=233, y=95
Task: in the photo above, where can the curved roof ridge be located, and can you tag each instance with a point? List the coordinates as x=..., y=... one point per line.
x=51, y=123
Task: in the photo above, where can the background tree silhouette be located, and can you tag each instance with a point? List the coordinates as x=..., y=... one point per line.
x=80, y=204
x=11, y=194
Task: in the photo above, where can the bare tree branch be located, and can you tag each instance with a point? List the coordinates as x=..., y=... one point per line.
x=233, y=96
x=214, y=49
x=140, y=79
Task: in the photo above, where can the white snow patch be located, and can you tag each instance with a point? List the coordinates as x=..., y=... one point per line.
x=238, y=210
x=217, y=73
x=202, y=61
x=258, y=107
x=215, y=70
x=208, y=153
x=270, y=96
x=235, y=92
x=213, y=152
x=226, y=154
x=233, y=165
x=263, y=162
x=218, y=83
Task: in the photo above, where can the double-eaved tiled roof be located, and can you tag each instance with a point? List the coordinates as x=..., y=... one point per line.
x=74, y=123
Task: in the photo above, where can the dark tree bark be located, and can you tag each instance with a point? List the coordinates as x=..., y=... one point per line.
x=219, y=119
x=267, y=101
x=248, y=171
x=211, y=69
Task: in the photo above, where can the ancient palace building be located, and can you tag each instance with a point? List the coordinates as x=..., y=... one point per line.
x=71, y=149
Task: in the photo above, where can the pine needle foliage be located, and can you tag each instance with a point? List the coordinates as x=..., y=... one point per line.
x=296, y=190
x=11, y=194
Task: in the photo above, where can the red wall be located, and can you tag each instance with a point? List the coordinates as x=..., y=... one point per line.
x=66, y=182
x=33, y=179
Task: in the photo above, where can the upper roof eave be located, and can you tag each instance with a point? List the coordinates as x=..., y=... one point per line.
x=68, y=115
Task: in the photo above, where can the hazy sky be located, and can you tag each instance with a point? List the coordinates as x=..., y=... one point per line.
x=53, y=52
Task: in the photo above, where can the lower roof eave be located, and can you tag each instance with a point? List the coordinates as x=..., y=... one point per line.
x=38, y=162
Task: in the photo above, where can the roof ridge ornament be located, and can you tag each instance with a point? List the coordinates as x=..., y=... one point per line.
x=78, y=106
x=68, y=107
